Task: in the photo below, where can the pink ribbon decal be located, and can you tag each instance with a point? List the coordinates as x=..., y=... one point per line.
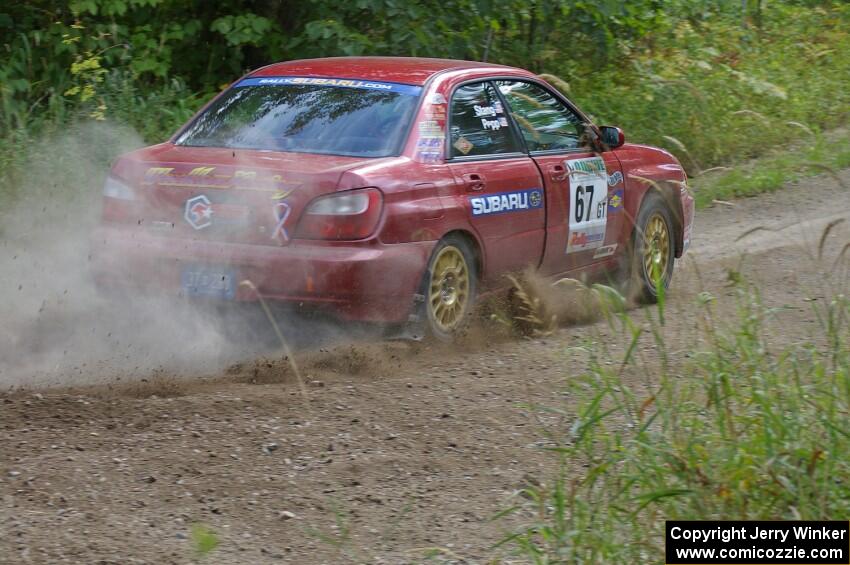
x=281, y=213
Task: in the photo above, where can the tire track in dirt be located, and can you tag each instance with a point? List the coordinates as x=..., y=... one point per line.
x=795, y=215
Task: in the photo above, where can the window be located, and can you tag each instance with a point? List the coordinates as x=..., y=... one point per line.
x=479, y=125
x=545, y=122
x=307, y=118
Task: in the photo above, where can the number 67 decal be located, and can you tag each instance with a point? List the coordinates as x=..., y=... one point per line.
x=584, y=201
x=588, y=198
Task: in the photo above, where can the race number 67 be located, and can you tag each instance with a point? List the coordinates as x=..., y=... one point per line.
x=580, y=207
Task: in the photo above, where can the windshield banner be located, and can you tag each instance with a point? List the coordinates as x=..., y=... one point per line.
x=407, y=89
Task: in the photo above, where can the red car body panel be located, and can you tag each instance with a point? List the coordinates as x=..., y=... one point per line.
x=147, y=241
x=404, y=70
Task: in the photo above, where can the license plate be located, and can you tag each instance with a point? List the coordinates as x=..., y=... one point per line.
x=212, y=282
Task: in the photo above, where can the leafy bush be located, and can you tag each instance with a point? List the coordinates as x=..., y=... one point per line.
x=726, y=93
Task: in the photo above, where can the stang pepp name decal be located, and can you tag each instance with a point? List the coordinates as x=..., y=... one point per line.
x=406, y=89
x=515, y=201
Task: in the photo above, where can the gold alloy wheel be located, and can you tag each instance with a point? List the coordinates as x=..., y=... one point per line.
x=449, y=292
x=656, y=252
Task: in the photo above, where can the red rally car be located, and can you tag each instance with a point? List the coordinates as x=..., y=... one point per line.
x=389, y=189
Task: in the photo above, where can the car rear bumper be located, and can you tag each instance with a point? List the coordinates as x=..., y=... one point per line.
x=361, y=281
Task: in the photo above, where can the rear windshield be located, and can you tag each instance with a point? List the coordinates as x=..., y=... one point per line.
x=307, y=115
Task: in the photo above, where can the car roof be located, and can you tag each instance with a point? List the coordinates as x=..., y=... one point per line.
x=405, y=70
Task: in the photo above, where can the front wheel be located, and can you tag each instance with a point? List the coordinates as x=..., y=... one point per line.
x=651, y=261
x=449, y=287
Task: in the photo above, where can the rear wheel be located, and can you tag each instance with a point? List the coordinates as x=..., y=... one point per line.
x=651, y=261
x=449, y=287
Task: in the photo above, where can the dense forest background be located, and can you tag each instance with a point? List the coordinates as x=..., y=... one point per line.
x=715, y=81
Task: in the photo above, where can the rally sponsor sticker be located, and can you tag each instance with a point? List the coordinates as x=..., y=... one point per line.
x=588, y=216
x=198, y=212
x=208, y=177
x=463, y=145
x=406, y=89
x=605, y=251
x=615, y=201
x=503, y=202
x=430, y=128
x=429, y=149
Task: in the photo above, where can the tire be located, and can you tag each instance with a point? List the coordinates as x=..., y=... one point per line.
x=652, y=244
x=449, y=287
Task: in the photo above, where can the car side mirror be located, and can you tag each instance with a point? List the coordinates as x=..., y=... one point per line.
x=612, y=136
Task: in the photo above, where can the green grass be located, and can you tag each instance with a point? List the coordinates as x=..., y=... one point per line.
x=817, y=155
x=743, y=430
x=65, y=142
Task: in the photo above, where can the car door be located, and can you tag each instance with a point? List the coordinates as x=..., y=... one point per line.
x=584, y=189
x=500, y=185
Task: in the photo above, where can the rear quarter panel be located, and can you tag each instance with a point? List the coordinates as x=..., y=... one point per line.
x=414, y=208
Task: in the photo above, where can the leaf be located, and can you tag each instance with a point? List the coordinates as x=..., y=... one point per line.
x=260, y=25
x=204, y=539
x=651, y=497
x=80, y=7
x=222, y=25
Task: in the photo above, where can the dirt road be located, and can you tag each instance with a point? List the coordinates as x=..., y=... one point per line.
x=402, y=447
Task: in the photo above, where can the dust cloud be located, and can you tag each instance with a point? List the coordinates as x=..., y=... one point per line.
x=56, y=328
x=539, y=305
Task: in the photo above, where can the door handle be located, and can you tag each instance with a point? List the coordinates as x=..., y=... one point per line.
x=474, y=181
x=558, y=173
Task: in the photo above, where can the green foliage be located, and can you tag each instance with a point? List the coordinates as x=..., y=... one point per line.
x=243, y=29
x=729, y=95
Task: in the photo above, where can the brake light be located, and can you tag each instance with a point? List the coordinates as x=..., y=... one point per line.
x=353, y=214
x=114, y=188
x=120, y=203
